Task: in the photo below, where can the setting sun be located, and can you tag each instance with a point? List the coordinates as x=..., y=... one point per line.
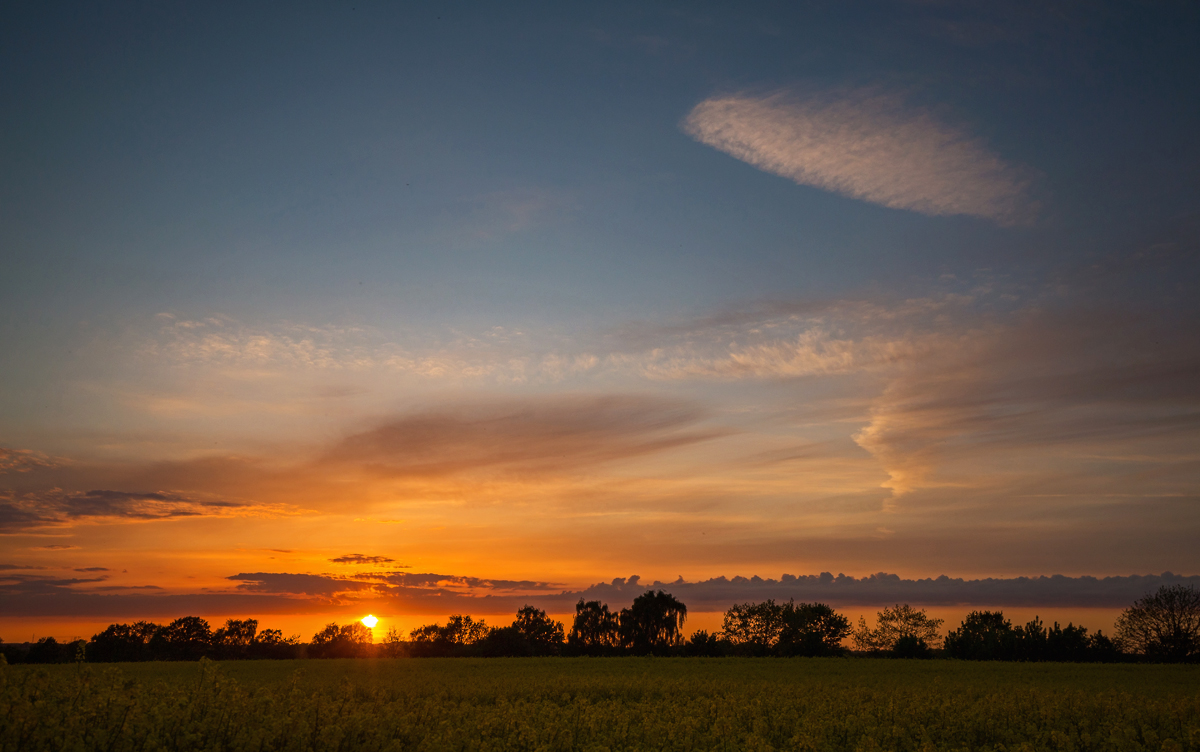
x=370, y=621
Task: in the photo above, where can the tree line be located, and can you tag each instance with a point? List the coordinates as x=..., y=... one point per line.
x=1163, y=627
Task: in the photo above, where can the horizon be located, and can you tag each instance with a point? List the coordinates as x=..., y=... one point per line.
x=312, y=310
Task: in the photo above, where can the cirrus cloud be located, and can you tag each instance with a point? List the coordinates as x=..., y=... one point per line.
x=869, y=146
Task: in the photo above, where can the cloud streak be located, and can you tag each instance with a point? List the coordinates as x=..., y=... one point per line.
x=280, y=593
x=536, y=437
x=55, y=508
x=866, y=145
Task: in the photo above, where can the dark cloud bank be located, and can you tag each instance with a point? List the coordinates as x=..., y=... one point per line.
x=428, y=593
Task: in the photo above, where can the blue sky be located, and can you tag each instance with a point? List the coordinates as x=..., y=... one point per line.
x=848, y=285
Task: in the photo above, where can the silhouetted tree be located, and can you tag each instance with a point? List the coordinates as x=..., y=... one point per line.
x=393, y=645
x=596, y=630
x=789, y=629
x=811, y=629
x=270, y=643
x=983, y=636
x=122, y=642
x=544, y=635
x=50, y=650
x=1163, y=626
x=186, y=639
x=653, y=623
x=753, y=628
x=459, y=633
x=903, y=631
x=233, y=640
x=703, y=645
x=351, y=640
x=988, y=636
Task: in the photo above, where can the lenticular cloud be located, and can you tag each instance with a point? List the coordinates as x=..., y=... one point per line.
x=867, y=146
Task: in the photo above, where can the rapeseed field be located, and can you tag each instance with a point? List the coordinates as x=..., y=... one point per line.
x=599, y=704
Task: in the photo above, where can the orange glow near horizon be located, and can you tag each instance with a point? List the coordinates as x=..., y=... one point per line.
x=370, y=621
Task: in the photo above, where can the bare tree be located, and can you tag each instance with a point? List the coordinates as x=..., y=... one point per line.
x=1163, y=626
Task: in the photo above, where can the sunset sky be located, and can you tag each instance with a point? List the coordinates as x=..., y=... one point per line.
x=310, y=310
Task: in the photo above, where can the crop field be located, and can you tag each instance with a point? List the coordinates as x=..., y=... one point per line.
x=599, y=704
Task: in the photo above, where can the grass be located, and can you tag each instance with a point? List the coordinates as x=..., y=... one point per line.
x=595, y=704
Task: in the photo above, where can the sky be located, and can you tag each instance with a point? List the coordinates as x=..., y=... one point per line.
x=310, y=309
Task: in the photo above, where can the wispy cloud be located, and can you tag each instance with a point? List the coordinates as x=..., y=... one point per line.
x=532, y=437
x=56, y=508
x=22, y=460
x=867, y=145
x=361, y=559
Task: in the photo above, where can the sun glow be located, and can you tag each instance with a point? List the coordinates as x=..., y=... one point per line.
x=370, y=621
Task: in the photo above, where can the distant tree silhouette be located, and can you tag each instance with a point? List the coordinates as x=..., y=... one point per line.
x=791, y=628
x=50, y=650
x=454, y=638
x=753, y=628
x=393, y=645
x=704, y=645
x=595, y=631
x=1163, y=626
x=903, y=631
x=988, y=636
x=811, y=629
x=270, y=643
x=982, y=636
x=351, y=640
x=653, y=623
x=122, y=642
x=186, y=639
x=544, y=635
x=233, y=640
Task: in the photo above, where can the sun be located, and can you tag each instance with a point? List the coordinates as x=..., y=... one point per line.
x=370, y=621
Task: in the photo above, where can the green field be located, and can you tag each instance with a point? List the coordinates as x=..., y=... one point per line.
x=596, y=704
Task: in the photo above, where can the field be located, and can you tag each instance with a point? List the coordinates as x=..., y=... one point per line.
x=597, y=704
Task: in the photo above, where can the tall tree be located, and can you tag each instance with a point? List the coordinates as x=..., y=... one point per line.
x=653, y=623
x=901, y=630
x=1163, y=626
x=595, y=629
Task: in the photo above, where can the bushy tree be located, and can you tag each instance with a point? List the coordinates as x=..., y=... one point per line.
x=790, y=628
x=753, y=628
x=902, y=630
x=544, y=635
x=983, y=636
x=1163, y=626
x=270, y=643
x=233, y=640
x=122, y=642
x=653, y=624
x=351, y=640
x=437, y=640
x=186, y=639
x=811, y=629
x=50, y=650
x=988, y=636
x=704, y=645
x=595, y=629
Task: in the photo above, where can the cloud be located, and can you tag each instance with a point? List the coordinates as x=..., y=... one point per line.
x=22, y=460
x=866, y=145
x=275, y=593
x=360, y=559
x=878, y=589
x=389, y=584
x=538, y=437
x=55, y=507
x=1059, y=387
